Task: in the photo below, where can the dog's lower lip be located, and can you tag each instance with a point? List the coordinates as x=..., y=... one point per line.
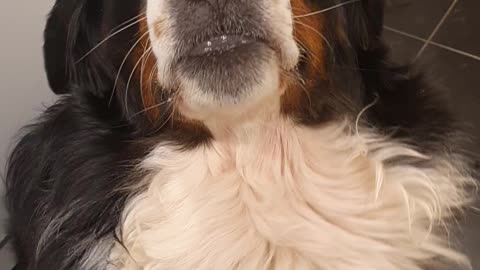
x=220, y=44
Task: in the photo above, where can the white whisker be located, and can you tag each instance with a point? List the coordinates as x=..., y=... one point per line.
x=142, y=70
x=127, y=22
x=131, y=76
x=123, y=63
x=150, y=108
x=107, y=38
x=317, y=32
x=170, y=117
x=150, y=77
x=362, y=112
x=309, y=54
x=326, y=9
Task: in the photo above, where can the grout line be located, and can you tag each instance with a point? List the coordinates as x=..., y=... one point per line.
x=455, y=50
x=4, y=242
x=434, y=32
x=404, y=33
x=445, y=47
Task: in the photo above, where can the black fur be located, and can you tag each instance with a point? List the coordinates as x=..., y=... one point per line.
x=72, y=164
x=75, y=162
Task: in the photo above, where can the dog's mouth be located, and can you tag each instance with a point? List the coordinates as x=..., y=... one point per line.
x=222, y=44
x=227, y=71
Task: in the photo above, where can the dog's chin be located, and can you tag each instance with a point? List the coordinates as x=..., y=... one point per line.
x=228, y=84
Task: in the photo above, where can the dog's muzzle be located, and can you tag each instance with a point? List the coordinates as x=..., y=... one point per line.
x=223, y=52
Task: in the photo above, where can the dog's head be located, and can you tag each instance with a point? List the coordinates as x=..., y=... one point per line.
x=206, y=59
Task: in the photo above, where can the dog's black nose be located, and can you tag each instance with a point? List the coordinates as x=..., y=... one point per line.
x=203, y=7
x=196, y=20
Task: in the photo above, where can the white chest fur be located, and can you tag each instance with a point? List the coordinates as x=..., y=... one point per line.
x=284, y=197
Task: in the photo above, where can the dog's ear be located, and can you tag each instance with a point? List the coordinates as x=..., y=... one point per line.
x=365, y=23
x=71, y=29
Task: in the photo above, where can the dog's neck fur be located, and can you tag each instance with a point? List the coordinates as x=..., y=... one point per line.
x=274, y=195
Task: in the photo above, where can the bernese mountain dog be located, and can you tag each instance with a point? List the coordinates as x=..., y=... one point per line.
x=234, y=135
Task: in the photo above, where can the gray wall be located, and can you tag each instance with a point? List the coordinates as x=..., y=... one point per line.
x=23, y=86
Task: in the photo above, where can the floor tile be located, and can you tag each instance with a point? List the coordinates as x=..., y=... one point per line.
x=461, y=28
x=7, y=259
x=471, y=238
x=3, y=214
x=402, y=49
x=460, y=76
x=418, y=17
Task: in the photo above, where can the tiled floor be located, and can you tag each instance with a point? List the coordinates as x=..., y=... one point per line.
x=443, y=36
x=6, y=255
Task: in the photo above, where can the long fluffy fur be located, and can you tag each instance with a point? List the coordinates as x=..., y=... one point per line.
x=287, y=197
